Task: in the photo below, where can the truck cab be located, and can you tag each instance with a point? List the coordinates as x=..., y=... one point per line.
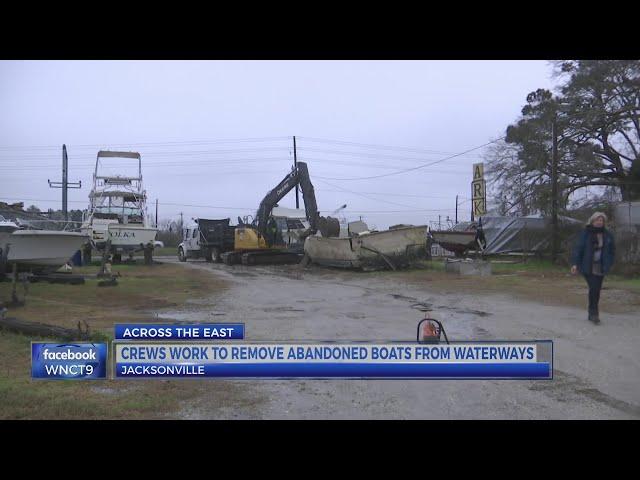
x=206, y=238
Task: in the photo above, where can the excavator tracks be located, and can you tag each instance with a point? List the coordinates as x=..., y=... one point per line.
x=270, y=258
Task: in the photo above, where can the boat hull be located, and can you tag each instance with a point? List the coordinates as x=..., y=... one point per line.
x=123, y=237
x=398, y=246
x=43, y=248
x=457, y=242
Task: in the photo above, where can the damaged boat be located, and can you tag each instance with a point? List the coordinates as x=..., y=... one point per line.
x=365, y=249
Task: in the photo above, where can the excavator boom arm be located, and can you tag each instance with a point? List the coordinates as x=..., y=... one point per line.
x=299, y=176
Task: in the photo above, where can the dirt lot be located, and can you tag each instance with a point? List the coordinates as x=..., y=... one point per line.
x=597, y=368
x=597, y=372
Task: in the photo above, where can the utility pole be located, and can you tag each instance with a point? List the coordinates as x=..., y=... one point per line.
x=554, y=190
x=439, y=223
x=295, y=166
x=181, y=224
x=64, y=184
x=472, y=202
x=156, y=213
x=456, y=209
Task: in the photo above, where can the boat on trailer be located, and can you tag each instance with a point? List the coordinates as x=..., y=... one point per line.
x=117, y=216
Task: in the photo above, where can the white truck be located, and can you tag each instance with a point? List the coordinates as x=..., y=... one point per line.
x=205, y=238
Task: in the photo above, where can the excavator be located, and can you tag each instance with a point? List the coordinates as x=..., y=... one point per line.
x=259, y=242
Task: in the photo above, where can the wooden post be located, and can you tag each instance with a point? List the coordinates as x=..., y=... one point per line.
x=554, y=192
x=456, y=209
x=4, y=256
x=14, y=285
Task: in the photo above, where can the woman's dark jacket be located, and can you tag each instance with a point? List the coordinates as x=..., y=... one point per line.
x=583, y=251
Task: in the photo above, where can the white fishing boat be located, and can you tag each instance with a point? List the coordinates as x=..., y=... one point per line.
x=118, y=208
x=392, y=248
x=37, y=248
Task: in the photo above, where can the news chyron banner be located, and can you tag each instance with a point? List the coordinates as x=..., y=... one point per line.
x=353, y=360
x=219, y=350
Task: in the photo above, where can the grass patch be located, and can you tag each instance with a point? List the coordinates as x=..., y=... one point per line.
x=624, y=282
x=534, y=266
x=141, y=288
x=536, y=280
x=165, y=252
x=24, y=398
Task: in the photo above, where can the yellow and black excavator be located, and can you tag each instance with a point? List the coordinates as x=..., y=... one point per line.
x=260, y=242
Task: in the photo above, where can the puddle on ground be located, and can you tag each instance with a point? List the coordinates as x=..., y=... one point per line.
x=478, y=313
x=282, y=309
x=566, y=387
x=186, y=317
x=479, y=332
x=403, y=297
x=243, y=274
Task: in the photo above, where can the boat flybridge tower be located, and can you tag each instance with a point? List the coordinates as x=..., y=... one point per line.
x=116, y=196
x=117, y=215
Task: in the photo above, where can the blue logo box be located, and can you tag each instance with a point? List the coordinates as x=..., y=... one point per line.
x=163, y=331
x=69, y=361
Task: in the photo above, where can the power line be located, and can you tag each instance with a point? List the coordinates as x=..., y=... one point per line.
x=365, y=165
x=218, y=162
x=206, y=206
x=41, y=200
x=377, y=146
x=171, y=163
x=415, y=168
x=365, y=196
x=245, y=208
x=370, y=155
x=402, y=211
x=389, y=194
x=185, y=142
x=10, y=156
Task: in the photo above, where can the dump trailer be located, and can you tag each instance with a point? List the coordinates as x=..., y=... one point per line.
x=207, y=238
x=261, y=241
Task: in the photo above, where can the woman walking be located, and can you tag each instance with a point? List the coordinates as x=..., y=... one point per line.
x=593, y=257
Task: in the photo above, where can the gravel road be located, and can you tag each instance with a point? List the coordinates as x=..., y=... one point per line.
x=597, y=368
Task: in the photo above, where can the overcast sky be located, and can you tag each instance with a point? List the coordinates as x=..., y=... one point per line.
x=215, y=136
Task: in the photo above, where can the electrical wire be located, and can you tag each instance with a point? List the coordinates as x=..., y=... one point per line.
x=389, y=194
x=414, y=168
x=377, y=146
x=371, y=155
x=185, y=142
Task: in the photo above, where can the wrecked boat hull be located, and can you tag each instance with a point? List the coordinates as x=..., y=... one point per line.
x=399, y=246
x=456, y=242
